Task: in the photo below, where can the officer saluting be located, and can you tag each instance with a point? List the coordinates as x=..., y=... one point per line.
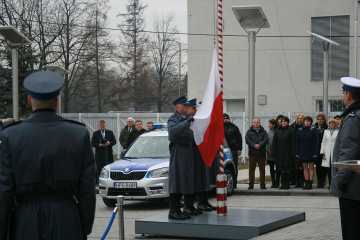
x=181, y=172
x=47, y=170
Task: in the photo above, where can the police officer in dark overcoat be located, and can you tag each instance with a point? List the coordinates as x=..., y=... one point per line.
x=201, y=174
x=181, y=167
x=47, y=168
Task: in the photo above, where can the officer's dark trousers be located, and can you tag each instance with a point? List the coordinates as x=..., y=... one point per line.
x=350, y=218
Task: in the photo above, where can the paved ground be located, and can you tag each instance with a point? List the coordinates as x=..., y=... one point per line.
x=321, y=211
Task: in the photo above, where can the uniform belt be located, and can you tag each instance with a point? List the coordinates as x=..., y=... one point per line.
x=182, y=145
x=41, y=197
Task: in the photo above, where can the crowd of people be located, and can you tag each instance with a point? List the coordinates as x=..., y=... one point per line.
x=292, y=151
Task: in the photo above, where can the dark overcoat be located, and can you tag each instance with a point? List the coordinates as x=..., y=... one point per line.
x=47, y=166
x=181, y=167
x=307, y=144
x=253, y=137
x=100, y=151
x=283, y=145
x=201, y=171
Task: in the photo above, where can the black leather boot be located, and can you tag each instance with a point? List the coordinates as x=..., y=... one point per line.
x=288, y=180
x=310, y=185
x=175, y=212
x=298, y=178
x=206, y=200
x=189, y=205
x=283, y=181
x=306, y=184
x=202, y=202
x=320, y=183
x=277, y=180
x=272, y=180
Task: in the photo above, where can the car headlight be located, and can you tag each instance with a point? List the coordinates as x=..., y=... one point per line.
x=104, y=173
x=161, y=172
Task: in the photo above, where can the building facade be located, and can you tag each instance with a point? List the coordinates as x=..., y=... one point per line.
x=288, y=60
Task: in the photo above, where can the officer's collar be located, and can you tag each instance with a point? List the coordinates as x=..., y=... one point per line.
x=44, y=110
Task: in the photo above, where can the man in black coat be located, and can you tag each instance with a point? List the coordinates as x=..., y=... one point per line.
x=47, y=168
x=103, y=140
x=139, y=129
x=234, y=140
x=256, y=138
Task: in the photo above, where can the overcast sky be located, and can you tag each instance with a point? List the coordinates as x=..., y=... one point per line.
x=158, y=7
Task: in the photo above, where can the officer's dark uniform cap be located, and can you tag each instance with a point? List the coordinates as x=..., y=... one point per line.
x=192, y=103
x=44, y=85
x=180, y=100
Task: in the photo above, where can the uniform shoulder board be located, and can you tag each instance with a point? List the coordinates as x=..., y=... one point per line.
x=72, y=121
x=12, y=124
x=173, y=115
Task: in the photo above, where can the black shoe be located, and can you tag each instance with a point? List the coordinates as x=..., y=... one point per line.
x=282, y=186
x=263, y=187
x=203, y=207
x=176, y=215
x=191, y=210
x=211, y=206
x=250, y=187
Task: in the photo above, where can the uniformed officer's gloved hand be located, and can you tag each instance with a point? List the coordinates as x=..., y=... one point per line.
x=190, y=119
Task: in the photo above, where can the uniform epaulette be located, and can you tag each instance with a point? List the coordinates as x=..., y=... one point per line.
x=352, y=113
x=12, y=124
x=72, y=121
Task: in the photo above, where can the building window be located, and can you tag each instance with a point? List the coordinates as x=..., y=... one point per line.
x=337, y=29
x=334, y=105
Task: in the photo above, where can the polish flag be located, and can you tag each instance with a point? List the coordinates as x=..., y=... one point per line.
x=208, y=126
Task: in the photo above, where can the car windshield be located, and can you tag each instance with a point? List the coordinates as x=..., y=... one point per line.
x=149, y=147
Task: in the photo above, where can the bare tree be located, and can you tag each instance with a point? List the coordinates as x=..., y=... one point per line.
x=133, y=49
x=164, y=52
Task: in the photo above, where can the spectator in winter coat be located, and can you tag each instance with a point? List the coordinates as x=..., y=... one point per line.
x=283, y=150
x=320, y=170
x=307, y=149
x=256, y=138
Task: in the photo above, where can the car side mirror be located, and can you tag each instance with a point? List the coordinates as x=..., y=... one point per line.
x=123, y=152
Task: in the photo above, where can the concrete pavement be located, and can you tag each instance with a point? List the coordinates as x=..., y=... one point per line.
x=321, y=211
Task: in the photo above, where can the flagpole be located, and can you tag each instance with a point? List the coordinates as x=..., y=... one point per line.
x=222, y=201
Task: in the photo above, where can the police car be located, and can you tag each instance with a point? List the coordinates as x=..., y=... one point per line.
x=142, y=173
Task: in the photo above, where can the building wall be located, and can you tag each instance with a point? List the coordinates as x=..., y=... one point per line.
x=282, y=58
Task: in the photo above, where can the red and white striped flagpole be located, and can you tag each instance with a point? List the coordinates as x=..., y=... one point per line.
x=221, y=185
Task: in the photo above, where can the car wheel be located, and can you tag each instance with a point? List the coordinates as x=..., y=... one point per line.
x=230, y=182
x=109, y=202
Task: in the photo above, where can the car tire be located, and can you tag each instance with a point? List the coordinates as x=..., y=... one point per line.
x=230, y=181
x=109, y=202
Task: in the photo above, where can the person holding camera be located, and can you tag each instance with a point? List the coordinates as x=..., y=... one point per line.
x=103, y=140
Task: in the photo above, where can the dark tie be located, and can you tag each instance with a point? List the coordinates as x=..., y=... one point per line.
x=129, y=129
x=103, y=134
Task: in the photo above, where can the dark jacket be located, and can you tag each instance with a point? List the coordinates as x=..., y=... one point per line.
x=134, y=135
x=253, y=137
x=101, y=152
x=347, y=148
x=44, y=161
x=124, y=136
x=181, y=166
x=283, y=148
x=307, y=143
x=295, y=127
x=233, y=136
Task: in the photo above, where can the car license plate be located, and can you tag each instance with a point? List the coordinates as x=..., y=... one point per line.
x=125, y=185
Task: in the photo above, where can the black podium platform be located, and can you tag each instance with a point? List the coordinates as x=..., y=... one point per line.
x=237, y=224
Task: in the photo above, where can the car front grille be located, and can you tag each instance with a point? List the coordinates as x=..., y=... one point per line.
x=126, y=192
x=129, y=176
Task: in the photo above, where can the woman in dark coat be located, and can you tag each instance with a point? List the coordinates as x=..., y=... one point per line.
x=307, y=149
x=321, y=126
x=283, y=149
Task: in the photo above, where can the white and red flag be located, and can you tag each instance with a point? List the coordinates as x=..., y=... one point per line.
x=208, y=126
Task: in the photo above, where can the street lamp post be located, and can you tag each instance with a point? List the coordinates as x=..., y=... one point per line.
x=251, y=17
x=326, y=44
x=179, y=66
x=16, y=40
